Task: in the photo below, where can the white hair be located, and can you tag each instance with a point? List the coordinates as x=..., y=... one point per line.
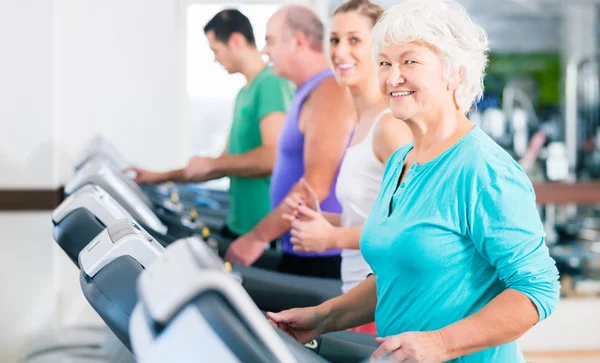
x=445, y=25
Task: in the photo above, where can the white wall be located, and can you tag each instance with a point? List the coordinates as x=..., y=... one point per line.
x=26, y=154
x=26, y=61
x=71, y=69
x=118, y=75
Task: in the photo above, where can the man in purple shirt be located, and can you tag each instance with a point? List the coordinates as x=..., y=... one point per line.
x=312, y=144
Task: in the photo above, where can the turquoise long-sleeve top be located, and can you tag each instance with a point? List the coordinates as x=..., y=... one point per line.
x=457, y=232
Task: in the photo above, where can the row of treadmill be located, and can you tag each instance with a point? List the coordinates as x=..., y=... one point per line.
x=150, y=264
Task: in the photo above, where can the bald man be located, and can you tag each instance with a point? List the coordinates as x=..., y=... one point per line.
x=314, y=138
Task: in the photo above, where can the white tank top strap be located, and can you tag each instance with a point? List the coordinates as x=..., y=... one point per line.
x=387, y=110
x=375, y=122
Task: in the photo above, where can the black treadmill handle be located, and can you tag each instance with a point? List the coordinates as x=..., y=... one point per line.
x=276, y=291
x=344, y=349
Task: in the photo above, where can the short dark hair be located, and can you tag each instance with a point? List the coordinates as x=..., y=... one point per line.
x=230, y=21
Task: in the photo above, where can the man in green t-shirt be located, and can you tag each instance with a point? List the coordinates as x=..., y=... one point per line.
x=259, y=114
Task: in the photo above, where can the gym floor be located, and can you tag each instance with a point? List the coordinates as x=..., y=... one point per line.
x=564, y=357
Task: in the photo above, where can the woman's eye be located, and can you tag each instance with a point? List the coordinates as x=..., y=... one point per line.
x=384, y=64
x=354, y=40
x=334, y=40
x=410, y=61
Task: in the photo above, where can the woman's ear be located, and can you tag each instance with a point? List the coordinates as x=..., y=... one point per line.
x=453, y=83
x=454, y=80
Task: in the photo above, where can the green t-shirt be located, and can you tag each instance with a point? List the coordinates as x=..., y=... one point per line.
x=249, y=197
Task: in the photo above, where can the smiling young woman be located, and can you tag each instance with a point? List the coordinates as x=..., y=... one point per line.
x=376, y=136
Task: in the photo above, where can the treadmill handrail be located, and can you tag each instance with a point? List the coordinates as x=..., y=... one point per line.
x=100, y=146
x=176, y=272
x=97, y=201
x=102, y=249
x=176, y=279
x=182, y=341
x=100, y=159
x=105, y=177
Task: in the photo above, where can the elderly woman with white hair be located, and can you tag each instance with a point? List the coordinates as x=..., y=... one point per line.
x=455, y=242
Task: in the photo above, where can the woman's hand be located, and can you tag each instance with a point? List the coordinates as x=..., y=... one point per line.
x=302, y=324
x=291, y=205
x=415, y=347
x=311, y=232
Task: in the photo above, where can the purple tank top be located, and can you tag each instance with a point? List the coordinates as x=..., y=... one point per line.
x=289, y=164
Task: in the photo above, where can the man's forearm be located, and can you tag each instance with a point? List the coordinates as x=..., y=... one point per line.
x=352, y=309
x=272, y=226
x=504, y=319
x=255, y=163
x=177, y=175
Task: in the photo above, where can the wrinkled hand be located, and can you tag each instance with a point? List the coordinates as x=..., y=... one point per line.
x=414, y=347
x=143, y=176
x=311, y=232
x=199, y=168
x=302, y=324
x=245, y=250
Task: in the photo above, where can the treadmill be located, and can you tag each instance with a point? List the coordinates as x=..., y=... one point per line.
x=169, y=216
x=111, y=265
x=191, y=309
x=100, y=147
x=178, y=199
x=90, y=209
x=133, y=200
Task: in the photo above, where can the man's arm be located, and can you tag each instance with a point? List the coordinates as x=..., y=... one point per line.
x=327, y=126
x=254, y=163
x=143, y=176
x=226, y=149
x=327, y=129
x=259, y=161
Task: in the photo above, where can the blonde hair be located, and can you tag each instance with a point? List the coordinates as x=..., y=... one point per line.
x=363, y=7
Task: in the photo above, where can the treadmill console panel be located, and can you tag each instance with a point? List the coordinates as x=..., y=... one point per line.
x=115, y=186
x=204, y=255
x=94, y=199
x=176, y=280
x=123, y=238
x=121, y=229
